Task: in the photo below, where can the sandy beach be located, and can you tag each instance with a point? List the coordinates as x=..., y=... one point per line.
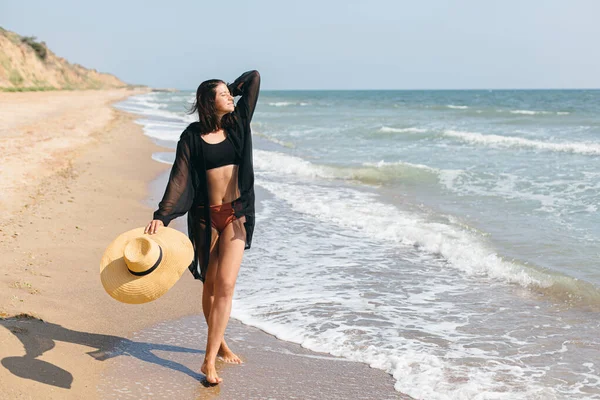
x=75, y=173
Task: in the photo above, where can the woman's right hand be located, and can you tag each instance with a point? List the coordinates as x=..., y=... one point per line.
x=153, y=226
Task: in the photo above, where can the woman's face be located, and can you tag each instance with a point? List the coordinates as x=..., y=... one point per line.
x=223, y=99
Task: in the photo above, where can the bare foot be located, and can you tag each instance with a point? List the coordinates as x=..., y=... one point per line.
x=211, y=373
x=227, y=355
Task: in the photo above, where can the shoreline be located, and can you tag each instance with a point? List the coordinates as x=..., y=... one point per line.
x=51, y=249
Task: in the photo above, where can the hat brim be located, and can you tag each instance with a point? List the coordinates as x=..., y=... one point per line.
x=125, y=287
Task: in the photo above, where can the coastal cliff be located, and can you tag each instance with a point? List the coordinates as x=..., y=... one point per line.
x=27, y=64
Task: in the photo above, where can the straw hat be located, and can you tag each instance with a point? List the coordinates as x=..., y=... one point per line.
x=137, y=268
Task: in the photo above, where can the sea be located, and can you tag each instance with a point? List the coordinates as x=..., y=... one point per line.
x=450, y=238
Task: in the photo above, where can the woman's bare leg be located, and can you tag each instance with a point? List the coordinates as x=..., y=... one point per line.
x=225, y=352
x=231, y=251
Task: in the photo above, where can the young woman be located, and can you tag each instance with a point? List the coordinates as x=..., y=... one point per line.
x=212, y=180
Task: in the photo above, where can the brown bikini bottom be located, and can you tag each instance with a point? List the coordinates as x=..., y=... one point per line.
x=221, y=215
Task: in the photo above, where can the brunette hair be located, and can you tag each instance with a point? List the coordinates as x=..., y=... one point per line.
x=204, y=105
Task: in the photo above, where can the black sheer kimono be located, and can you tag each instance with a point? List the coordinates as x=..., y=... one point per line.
x=187, y=187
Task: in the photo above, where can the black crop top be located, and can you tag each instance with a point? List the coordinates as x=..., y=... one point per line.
x=219, y=154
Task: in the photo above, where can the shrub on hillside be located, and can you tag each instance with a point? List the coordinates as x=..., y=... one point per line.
x=15, y=78
x=38, y=47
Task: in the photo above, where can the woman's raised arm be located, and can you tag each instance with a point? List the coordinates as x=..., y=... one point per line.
x=247, y=86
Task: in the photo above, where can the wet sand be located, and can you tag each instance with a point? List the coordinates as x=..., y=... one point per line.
x=272, y=369
x=62, y=205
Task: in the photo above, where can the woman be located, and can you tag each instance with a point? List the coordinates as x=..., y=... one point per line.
x=212, y=179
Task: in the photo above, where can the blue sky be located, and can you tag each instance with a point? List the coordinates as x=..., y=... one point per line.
x=370, y=44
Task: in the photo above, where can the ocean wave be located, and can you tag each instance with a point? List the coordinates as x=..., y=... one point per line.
x=141, y=108
x=162, y=130
x=529, y=112
x=281, y=104
x=387, y=165
x=279, y=163
x=187, y=99
x=383, y=172
x=287, y=104
x=164, y=157
x=282, y=143
x=464, y=249
x=369, y=173
x=158, y=122
x=491, y=111
x=387, y=129
x=148, y=104
x=510, y=141
x=555, y=197
x=532, y=112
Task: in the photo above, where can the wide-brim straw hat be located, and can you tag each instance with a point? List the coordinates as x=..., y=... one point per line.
x=137, y=268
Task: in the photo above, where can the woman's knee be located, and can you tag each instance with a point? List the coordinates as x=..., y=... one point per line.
x=224, y=288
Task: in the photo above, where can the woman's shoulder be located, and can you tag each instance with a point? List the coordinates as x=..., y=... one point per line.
x=192, y=129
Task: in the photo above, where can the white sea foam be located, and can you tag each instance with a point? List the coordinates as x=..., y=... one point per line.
x=152, y=123
x=142, y=109
x=274, y=162
x=162, y=130
x=386, y=164
x=159, y=123
x=167, y=135
x=281, y=104
x=287, y=103
x=370, y=173
x=448, y=178
x=460, y=248
x=387, y=129
x=148, y=103
x=511, y=141
x=528, y=112
x=164, y=157
x=532, y=112
x=553, y=197
x=457, y=107
x=282, y=143
x=185, y=99
x=464, y=250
